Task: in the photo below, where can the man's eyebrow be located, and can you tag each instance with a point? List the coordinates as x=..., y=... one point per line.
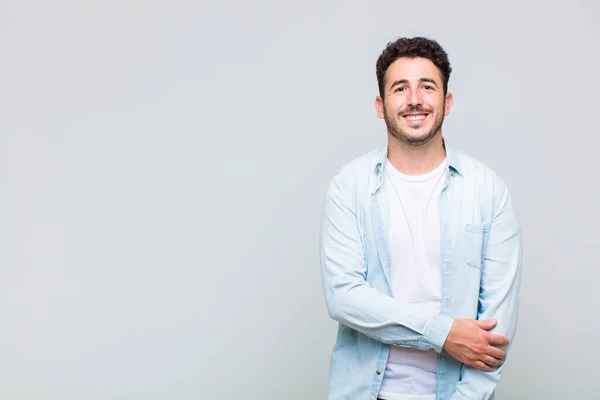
x=428, y=80
x=403, y=81
x=399, y=82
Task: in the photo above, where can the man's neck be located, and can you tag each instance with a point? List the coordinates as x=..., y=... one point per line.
x=416, y=160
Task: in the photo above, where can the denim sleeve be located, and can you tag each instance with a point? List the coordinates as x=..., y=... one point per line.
x=499, y=292
x=350, y=299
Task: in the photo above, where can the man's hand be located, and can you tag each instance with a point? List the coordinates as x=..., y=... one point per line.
x=470, y=343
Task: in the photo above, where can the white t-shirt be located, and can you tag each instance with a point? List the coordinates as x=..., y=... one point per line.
x=414, y=240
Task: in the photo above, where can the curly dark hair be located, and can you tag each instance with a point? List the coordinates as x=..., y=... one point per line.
x=412, y=48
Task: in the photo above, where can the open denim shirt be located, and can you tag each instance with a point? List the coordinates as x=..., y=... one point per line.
x=480, y=264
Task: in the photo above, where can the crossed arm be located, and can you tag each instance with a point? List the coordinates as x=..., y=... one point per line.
x=354, y=303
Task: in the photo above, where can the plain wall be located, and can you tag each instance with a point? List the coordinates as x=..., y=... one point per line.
x=163, y=167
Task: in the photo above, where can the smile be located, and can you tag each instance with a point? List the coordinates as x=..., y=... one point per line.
x=415, y=117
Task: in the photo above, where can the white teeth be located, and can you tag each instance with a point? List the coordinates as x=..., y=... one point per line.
x=415, y=117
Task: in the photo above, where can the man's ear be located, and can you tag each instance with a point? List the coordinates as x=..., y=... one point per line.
x=379, y=107
x=448, y=103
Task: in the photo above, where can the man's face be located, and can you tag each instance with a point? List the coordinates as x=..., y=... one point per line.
x=414, y=104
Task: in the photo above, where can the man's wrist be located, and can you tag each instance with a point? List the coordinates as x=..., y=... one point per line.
x=436, y=333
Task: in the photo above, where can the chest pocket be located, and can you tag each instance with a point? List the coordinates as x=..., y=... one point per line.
x=475, y=235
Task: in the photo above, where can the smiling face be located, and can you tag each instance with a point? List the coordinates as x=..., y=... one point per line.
x=413, y=104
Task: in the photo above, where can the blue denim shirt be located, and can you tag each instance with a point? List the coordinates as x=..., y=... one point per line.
x=480, y=264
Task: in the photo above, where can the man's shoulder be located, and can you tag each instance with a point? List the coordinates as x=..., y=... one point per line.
x=365, y=163
x=475, y=170
x=354, y=176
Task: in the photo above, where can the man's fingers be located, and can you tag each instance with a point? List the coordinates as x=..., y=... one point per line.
x=492, y=362
x=496, y=352
x=482, y=366
x=497, y=340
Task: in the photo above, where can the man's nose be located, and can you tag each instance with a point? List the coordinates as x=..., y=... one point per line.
x=415, y=98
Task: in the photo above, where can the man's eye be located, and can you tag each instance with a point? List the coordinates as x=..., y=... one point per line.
x=427, y=87
x=400, y=89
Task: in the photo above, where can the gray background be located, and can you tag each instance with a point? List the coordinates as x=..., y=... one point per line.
x=163, y=166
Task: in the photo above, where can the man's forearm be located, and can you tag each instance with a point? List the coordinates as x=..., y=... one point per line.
x=351, y=300
x=387, y=320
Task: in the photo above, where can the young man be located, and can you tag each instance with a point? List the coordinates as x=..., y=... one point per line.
x=420, y=251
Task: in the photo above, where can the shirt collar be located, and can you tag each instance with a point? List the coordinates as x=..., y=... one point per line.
x=451, y=157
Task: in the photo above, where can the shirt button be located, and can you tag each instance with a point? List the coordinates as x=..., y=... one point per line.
x=378, y=372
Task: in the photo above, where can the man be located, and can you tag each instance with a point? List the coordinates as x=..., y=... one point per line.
x=420, y=251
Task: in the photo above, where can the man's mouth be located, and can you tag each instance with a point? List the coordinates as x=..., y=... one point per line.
x=415, y=117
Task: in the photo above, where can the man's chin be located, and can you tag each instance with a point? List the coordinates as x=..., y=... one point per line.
x=418, y=139
x=417, y=136
x=413, y=136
